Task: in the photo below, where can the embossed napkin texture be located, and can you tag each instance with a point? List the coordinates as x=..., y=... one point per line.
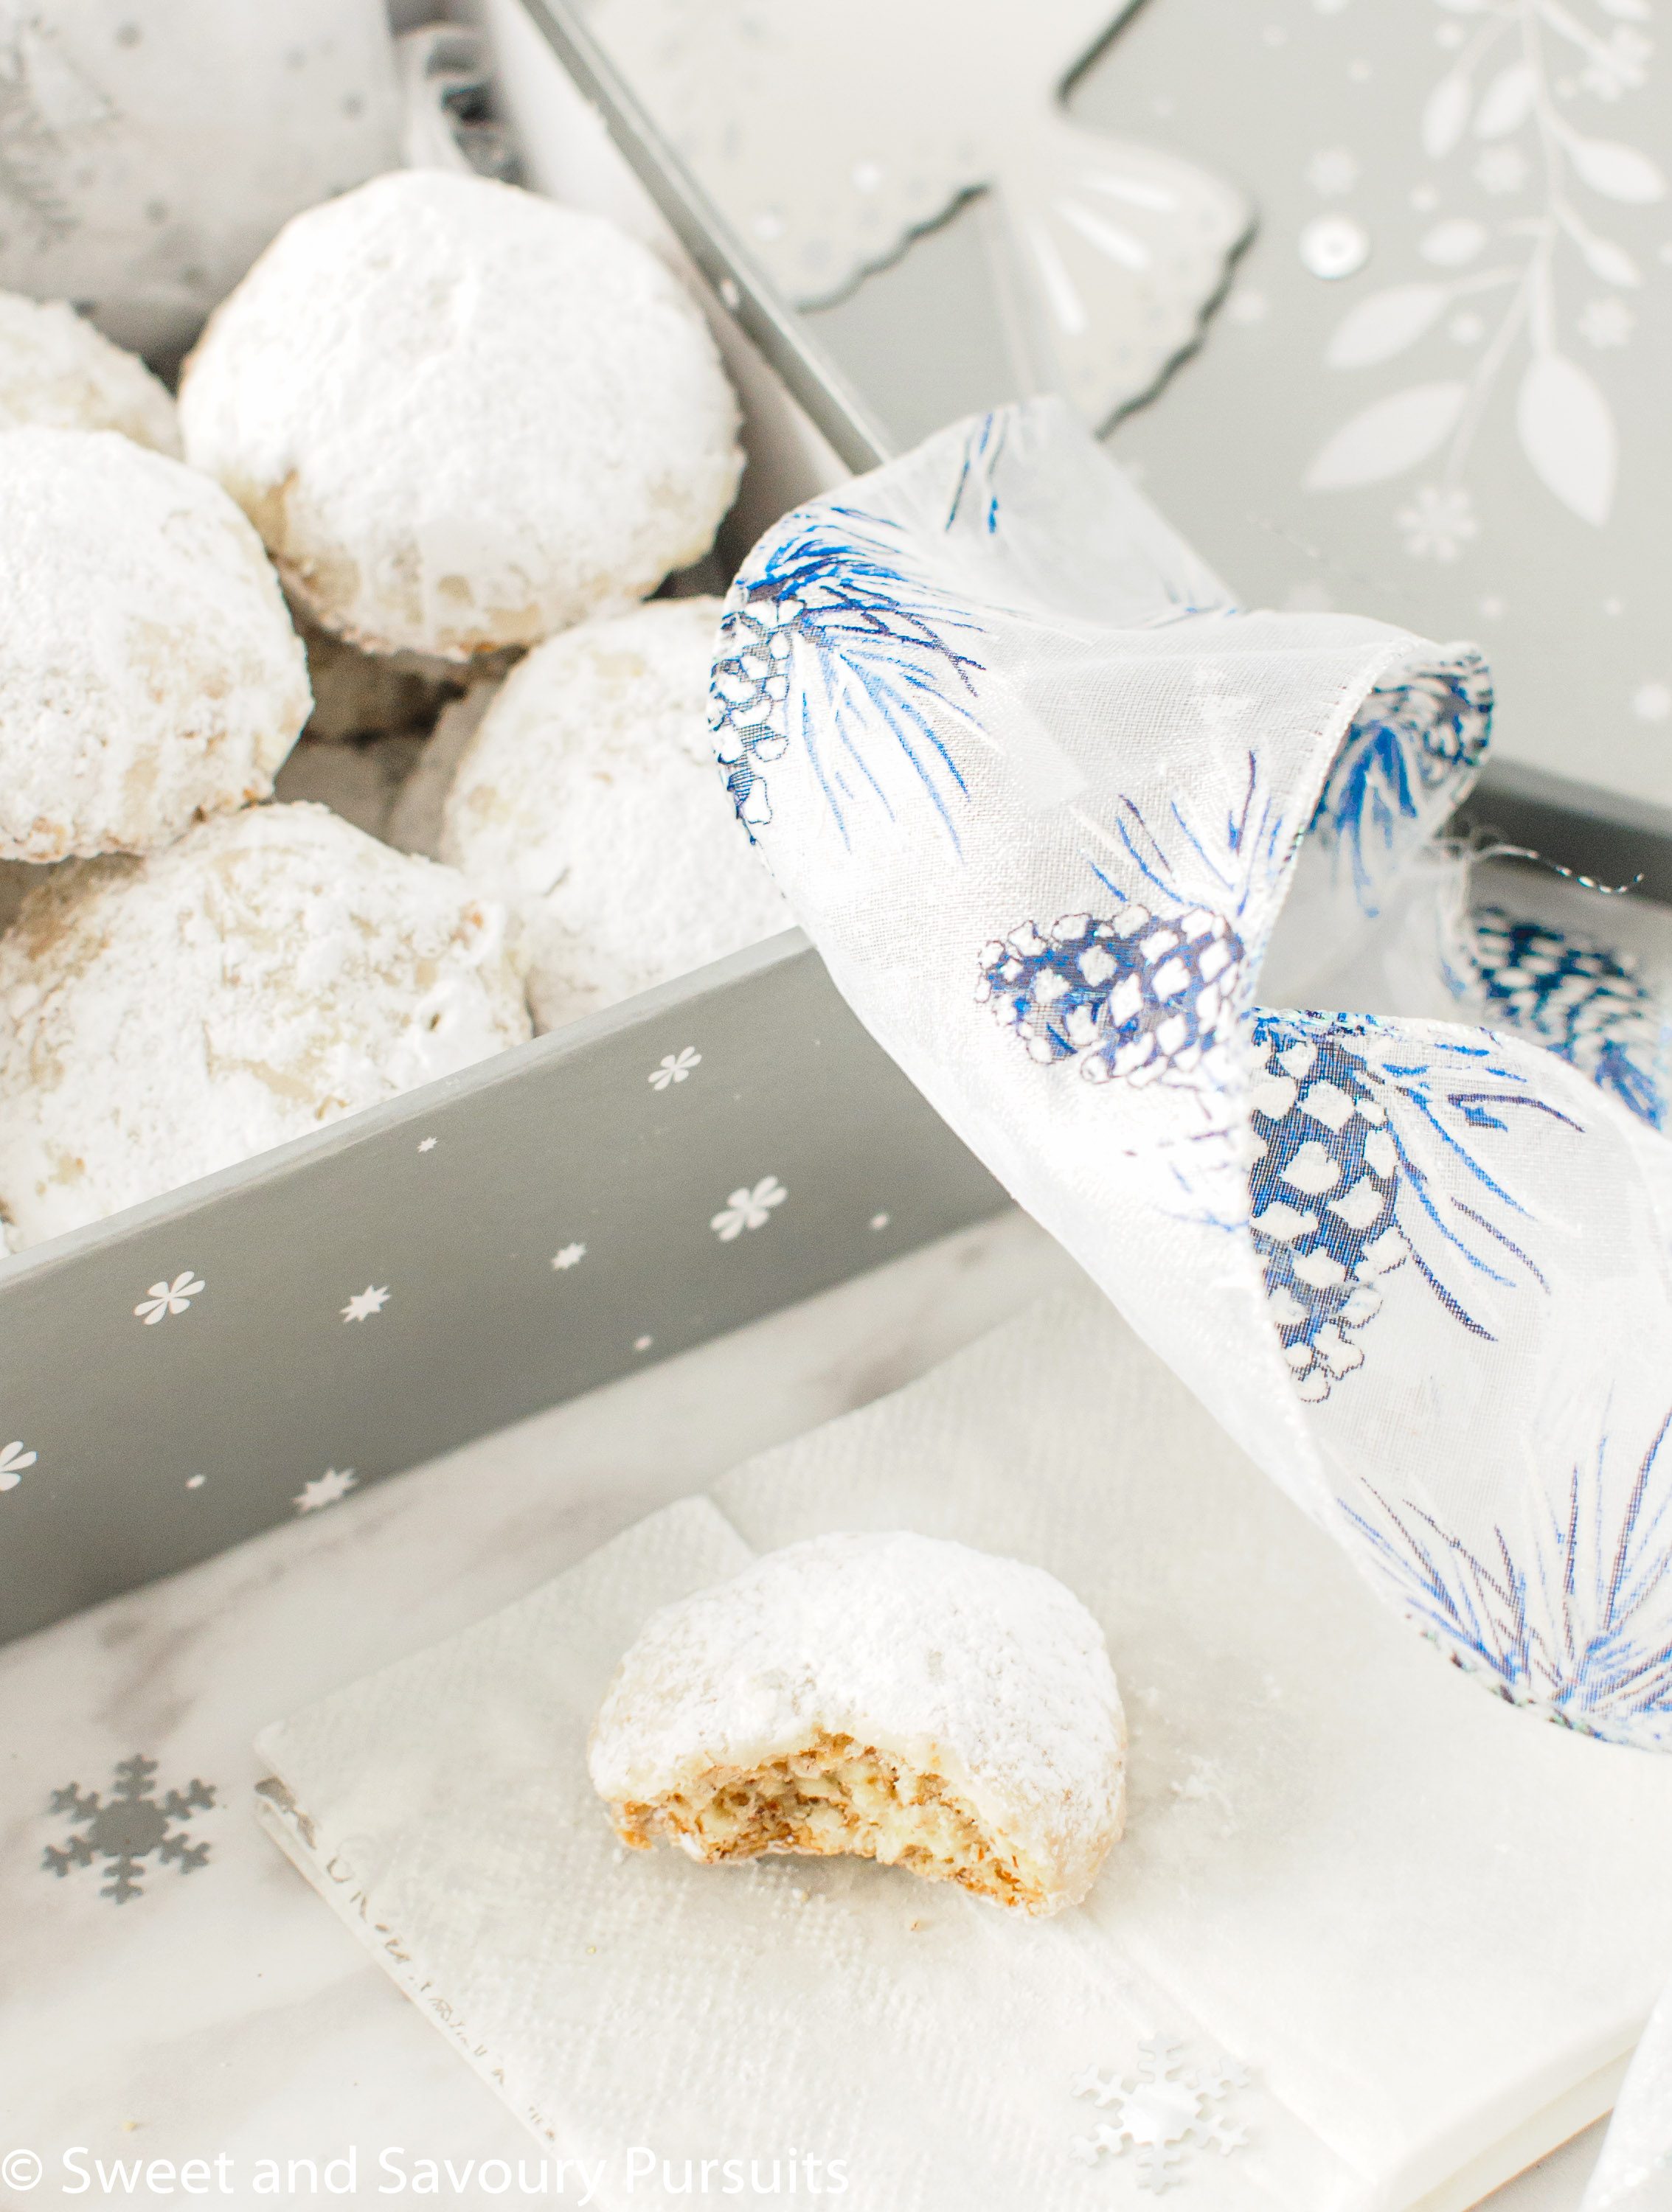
x=1351, y=1882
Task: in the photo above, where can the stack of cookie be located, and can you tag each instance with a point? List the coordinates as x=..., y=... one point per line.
x=440, y=422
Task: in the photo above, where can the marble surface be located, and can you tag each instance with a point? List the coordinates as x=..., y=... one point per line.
x=221, y=2011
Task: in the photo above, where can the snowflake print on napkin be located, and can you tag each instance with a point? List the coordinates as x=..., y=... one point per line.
x=1170, y=2108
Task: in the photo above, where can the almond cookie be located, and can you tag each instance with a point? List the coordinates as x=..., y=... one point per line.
x=58, y=372
x=462, y=416
x=588, y=801
x=271, y=972
x=148, y=671
x=896, y=1697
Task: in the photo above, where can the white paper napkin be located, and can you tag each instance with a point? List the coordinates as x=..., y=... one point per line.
x=1429, y=1931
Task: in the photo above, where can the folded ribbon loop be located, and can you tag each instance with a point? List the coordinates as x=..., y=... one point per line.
x=1140, y=889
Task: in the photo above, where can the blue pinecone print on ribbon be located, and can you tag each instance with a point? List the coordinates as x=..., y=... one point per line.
x=1322, y=1199
x=1588, y=1005
x=1372, y=1155
x=1420, y=733
x=828, y=641
x=1140, y=997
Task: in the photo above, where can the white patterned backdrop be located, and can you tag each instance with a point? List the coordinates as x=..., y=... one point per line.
x=1434, y=390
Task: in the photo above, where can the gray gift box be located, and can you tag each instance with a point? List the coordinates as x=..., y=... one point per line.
x=204, y=1366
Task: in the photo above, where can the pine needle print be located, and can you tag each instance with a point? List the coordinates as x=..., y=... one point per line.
x=1578, y=1624
x=1413, y=751
x=830, y=642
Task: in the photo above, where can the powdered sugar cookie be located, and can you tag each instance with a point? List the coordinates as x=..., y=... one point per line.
x=58, y=372
x=272, y=971
x=148, y=671
x=894, y=1697
x=415, y=819
x=463, y=417
x=588, y=800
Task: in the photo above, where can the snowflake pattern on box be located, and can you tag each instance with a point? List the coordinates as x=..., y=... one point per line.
x=674, y=1068
x=1590, y=1006
x=14, y=1459
x=164, y=1299
x=128, y=1827
x=1166, y=2110
x=748, y=1208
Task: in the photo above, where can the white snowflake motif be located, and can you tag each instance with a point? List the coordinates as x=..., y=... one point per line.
x=1164, y=2112
x=1438, y=523
x=165, y=1298
x=1501, y=170
x=1606, y=323
x=325, y=1490
x=748, y=1209
x=426, y=1144
x=1617, y=65
x=12, y=1461
x=674, y=1068
x=366, y=1302
x=570, y=1256
x=1332, y=172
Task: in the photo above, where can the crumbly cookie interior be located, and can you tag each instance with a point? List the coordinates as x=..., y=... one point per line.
x=837, y=1796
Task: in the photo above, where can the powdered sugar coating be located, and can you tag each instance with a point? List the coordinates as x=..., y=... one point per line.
x=588, y=800
x=58, y=372
x=984, y=1670
x=272, y=971
x=148, y=671
x=461, y=416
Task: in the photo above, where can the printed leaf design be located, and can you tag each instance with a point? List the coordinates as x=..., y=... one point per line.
x=1617, y=171
x=1446, y=116
x=1450, y=244
x=1384, y=324
x=1608, y=261
x=1506, y=102
x=1568, y=434
x=1389, y=436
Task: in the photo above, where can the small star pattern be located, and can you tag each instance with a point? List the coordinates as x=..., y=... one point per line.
x=570, y=1256
x=366, y=1302
x=325, y=1490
